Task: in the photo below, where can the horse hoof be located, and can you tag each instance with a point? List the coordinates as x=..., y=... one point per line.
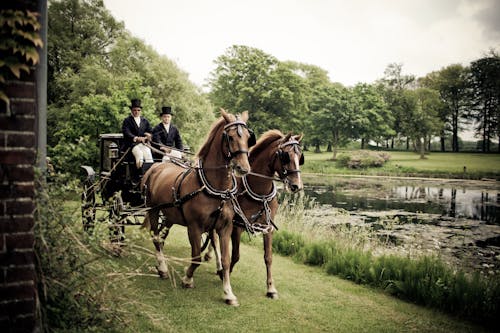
x=163, y=275
x=187, y=283
x=220, y=274
x=232, y=302
x=272, y=295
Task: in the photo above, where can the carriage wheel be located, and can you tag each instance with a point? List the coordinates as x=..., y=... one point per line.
x=88, y=208
x=116, y=216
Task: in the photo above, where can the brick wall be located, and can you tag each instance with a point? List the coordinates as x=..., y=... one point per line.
x=18, y=296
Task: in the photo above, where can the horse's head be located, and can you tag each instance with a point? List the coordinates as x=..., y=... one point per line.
x=237, y=139
x=289, y=159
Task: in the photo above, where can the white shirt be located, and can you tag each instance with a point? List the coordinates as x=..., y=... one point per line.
x=138, y=121
x=167, y=127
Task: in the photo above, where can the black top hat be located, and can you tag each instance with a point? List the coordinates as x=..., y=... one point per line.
x=135, y=103
x=165, y=110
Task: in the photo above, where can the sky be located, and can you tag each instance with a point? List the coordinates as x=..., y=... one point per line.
x=353, y=40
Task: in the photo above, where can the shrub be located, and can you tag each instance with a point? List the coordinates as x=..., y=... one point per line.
x=71, y=293
x=362, y=159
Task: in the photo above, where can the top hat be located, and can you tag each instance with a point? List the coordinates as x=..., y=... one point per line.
x=135, y=103
x=165, y=110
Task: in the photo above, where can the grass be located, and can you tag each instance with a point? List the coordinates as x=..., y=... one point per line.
x=310, y=300
x=436, y=164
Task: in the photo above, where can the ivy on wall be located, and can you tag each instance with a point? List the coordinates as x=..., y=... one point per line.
x=19, y=40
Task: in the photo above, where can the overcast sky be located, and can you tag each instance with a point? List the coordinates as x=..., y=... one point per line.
x=354, y=40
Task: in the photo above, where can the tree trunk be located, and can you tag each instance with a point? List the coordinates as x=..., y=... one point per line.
x=329, y=147
x=362, y=143
x=421, y=146
x=317, y=149
x=407, y=143
x=443, y=143
x=392, y=143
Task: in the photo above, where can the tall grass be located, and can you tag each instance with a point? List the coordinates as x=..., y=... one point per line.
x=349, y=251
x=73, y=295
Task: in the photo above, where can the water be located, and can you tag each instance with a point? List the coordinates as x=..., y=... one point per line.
x=452, y=202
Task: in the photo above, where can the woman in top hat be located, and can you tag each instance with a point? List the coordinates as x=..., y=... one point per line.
x=137, y=131
x=166, y=135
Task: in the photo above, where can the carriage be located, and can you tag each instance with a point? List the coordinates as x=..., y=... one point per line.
x=114, y=190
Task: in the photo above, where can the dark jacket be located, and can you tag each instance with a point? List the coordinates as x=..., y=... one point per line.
x=172, y=139
x=131, y=130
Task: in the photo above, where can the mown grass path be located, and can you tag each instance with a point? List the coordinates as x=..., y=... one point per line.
x=310, y=300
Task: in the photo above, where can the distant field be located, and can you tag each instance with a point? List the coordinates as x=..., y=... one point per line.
x=436, y=164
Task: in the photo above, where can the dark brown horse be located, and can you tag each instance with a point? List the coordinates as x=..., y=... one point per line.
x=273, y=154
x=201, y=197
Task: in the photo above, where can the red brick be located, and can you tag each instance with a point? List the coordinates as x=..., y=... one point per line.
x=19, y=241
x=18, y=157
x=22, y=107
x=21, y=140
x=16, y=224
x=11, y=309
x=20, y=89
x=17, y=292
x=16, y=191
x=17, y=173
x=17, y=123
x=17, y=207
x=18, y=274
x=17, y=258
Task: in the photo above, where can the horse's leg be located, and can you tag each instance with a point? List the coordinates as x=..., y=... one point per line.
x=235, y=241
x=152, y=218
x=268, y=259
x=229, y=297
x=194, y=235
x=215, y=244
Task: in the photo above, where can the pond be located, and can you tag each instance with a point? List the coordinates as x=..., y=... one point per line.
x=455, y=218
x=483, y=205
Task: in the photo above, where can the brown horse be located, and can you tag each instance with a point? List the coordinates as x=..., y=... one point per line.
x=201, y=197
x=273, y=154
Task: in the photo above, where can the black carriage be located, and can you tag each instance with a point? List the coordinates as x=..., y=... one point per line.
x=115, y=189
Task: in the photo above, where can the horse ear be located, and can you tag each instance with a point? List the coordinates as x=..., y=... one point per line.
x=244, y=116
x=225, y=115
x=286, y=138
x=298, y=137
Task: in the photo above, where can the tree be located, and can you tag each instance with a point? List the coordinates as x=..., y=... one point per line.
x=246, y=78
x=79, y=31
x=92, y=84
x=485, y=83
x=393, y=85
x=334, y=114
x=451, y=82
x=422, y=120
x=374, y=120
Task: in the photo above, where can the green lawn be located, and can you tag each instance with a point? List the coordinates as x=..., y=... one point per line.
x=310, y=300
x=436, y=164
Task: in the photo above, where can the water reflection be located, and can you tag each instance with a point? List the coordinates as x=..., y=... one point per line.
x=453, y=202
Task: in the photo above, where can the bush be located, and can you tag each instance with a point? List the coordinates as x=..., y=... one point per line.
x=71, y=293
x=362, y=159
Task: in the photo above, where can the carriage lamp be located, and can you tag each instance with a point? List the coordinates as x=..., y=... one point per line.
x=113, y=150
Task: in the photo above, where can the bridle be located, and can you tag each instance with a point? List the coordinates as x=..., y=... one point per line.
x=284, y=158
x=239, y=129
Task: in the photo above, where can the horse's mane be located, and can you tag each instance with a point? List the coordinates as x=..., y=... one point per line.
x=265, y=140
x=204, y=150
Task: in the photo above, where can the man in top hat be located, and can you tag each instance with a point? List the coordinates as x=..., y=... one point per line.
x=136, y=132
x=166, y=135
